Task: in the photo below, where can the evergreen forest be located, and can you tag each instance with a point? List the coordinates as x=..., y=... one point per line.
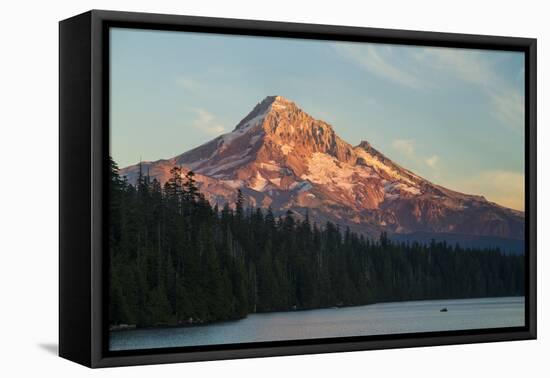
x=176, y=259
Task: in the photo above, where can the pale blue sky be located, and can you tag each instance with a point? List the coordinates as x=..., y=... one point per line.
x=453, y=116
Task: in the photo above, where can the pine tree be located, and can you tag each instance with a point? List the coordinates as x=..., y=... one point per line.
x=239, y=210
x=190, y=190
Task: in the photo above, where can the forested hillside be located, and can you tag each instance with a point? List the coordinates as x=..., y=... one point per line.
x=177, y=259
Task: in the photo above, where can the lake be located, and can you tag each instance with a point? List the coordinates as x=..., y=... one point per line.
x=375, y=319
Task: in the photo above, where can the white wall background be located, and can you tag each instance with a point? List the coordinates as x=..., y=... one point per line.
x=29, y=189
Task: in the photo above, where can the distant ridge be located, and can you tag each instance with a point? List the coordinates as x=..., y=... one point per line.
x=508, y=246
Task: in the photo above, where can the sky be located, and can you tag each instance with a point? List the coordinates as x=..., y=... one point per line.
x=453, y=116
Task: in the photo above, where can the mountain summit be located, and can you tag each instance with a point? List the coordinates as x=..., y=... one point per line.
x=280, y=156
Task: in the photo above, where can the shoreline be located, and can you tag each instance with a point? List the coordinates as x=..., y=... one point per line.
x=133, y=327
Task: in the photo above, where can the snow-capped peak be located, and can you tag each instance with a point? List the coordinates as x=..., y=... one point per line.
x=280, y=156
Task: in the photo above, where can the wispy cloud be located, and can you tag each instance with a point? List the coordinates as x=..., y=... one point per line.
x=407, y=149
x=432, y=161
x=378, y=61
x=404, y=146
x=507, y=188
x=187, y=83
x=472, y=66
x=415, y=68
x=509, y=109
x=466, y=65
x=207, y=123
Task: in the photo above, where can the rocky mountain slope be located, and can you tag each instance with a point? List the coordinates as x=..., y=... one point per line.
x=280, y=156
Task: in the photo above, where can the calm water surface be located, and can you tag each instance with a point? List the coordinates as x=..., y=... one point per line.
x=376, y=319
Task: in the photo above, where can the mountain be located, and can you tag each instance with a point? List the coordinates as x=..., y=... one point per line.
x=282, y=157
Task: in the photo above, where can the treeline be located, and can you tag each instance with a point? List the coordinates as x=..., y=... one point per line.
x=175, y=259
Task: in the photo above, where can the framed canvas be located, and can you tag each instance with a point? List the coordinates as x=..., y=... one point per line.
x=235, y=188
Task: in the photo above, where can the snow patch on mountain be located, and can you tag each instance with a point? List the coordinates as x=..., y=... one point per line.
x=270, y=166
x=399, y=187
x=286, y=149
x=380, y=166
x=224, y=167
x=324, y=169
x=278, y=105
x=276, y=181
x=235, y=184
x=244, y=129
x=259, y=183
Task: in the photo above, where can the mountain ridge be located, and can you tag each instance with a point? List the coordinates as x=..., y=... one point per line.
x=280, y=156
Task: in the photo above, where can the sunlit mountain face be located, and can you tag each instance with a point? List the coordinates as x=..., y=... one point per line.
x=281, y=157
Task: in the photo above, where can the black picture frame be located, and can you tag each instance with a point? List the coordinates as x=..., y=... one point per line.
x=83, y=154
